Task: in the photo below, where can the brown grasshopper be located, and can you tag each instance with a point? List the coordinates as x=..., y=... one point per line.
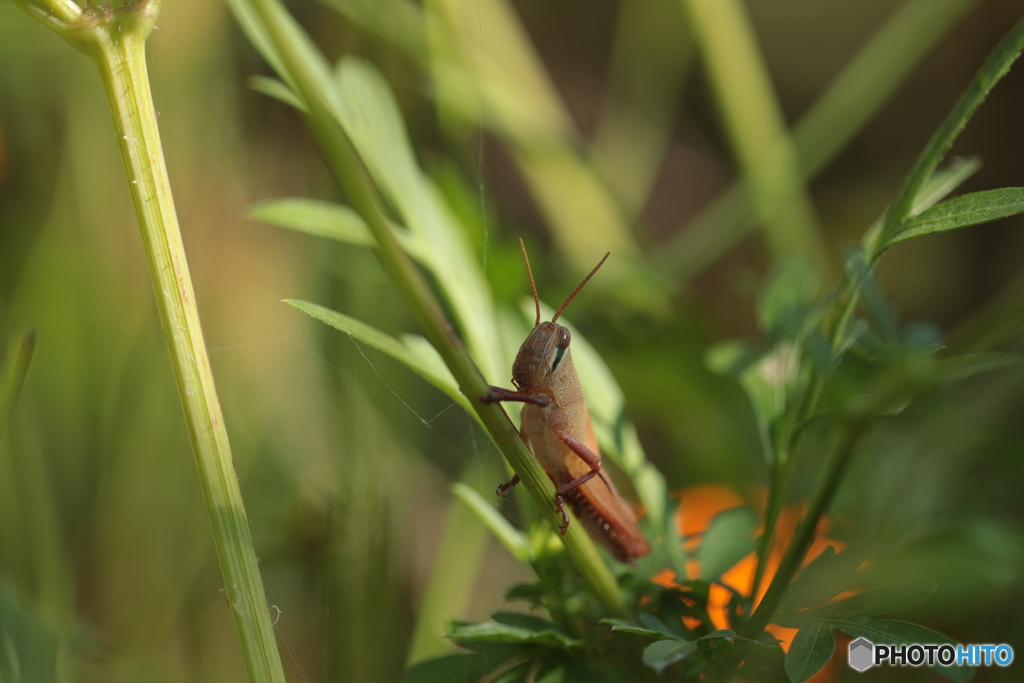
x=556, y=425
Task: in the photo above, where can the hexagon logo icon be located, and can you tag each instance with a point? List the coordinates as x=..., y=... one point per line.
x=862, y=654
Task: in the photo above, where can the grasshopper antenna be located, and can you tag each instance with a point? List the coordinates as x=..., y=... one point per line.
x=578, y=288
x=536, y=299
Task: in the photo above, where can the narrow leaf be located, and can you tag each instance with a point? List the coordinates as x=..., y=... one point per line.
x=508, y=535
x=942, y=183
x=495, y=632
x=961, y=212
x=969, y=365
x=327, y=219
x=810, y=651
x=273, y=88
x=994, y=68
x=371, y=336
x=629, y=627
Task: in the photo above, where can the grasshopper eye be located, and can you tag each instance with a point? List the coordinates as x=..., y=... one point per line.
x=563, y=339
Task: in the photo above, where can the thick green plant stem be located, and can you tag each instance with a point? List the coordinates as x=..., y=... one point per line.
x=115, y=39
x=300, y=65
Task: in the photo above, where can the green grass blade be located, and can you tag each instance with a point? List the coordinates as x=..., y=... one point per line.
x=755, y=126
x=994, y=68
x=855, y=95
x=649, y=65
x=970, y=209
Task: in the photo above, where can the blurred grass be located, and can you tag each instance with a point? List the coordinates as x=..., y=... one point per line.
x=103, y=540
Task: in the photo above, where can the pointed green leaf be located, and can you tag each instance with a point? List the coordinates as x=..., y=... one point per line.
x=810, y=651
x=496, y=632
x=961, y=212
x=994, y=68
x=327, y=219
x=662, y=653
x=630, y=627
x=942, y=183
x=273, y=88
x=969, y=365
x=371, y=336
x=728, y=539
x=508, y=535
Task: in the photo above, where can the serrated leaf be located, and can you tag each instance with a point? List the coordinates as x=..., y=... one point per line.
x=663, y=653
x=961, y=212
x=811, y=649
x=508, y=535
x=728, y=539
x=520, y=620
x=721, y=634
x=327, y=219
x=385, y=343
x=655, y=622
x=530, y=592
x=879, y=602
x=496, y=632
x=636, y=629
x=826, y=576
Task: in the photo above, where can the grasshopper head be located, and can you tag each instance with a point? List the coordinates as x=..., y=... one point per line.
x=540, y=355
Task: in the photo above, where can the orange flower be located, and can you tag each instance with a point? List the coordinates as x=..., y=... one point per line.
x=699, y=506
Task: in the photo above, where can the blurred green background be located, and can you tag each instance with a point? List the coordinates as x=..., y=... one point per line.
x=612, y=134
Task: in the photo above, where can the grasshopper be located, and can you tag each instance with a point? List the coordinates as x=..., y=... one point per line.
x=556, y=426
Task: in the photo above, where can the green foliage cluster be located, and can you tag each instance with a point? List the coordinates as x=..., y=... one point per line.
x=833, y=374
x=827, y=372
